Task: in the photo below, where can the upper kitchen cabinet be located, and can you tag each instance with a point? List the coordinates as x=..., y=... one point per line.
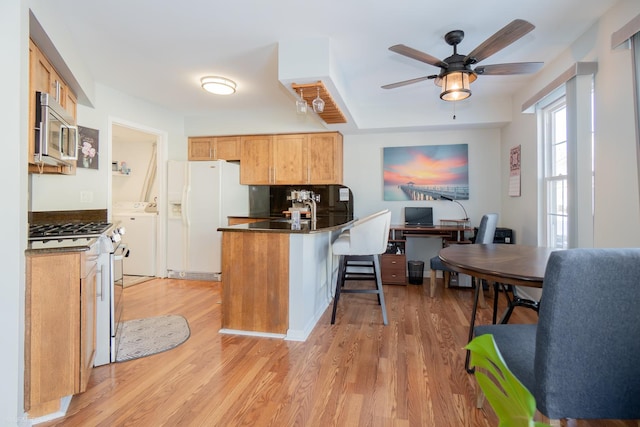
x=289, y=161
x=214, y=148
x=256, y=154
x=324, y=158
x=44, y=78
x=295, y=159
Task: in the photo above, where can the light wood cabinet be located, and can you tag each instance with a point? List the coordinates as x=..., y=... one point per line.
x=293, y=159
x=214, y=148
x=88, y=326
x=44, y=78
x=247, y=259
x=324, y=158
x=256, y=160
x=235, y=220
x=71, y=103
x=289, y=161
x=60, y=325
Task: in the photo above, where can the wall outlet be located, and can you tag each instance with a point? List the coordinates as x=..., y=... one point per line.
x=86, y=196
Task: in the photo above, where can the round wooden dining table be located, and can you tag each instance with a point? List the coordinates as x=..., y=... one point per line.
x=506, y=264
x=518, y=265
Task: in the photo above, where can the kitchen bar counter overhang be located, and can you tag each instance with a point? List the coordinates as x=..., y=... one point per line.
x=277, y=281
x=323, y=224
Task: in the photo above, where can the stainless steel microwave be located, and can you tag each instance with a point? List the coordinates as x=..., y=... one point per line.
x=56, y=134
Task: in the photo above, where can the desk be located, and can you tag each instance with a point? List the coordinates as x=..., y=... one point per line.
x=393, y=265
x=516, y=265
x=449, y=232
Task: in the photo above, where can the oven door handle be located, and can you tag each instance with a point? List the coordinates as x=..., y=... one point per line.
x=121, y=252
x=100, y=277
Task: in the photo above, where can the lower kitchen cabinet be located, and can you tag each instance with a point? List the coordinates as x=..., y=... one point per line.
x=60, y=328
x=393, y=269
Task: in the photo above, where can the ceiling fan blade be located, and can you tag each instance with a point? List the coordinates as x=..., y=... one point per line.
x=503, y=38
x=418, y=55
x=408, y=82
x=506, y=69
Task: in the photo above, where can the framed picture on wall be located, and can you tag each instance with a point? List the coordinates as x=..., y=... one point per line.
x=514, y=171
x=426, y=172
x=88, y=148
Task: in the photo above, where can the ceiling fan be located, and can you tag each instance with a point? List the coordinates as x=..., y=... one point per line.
x=456, y=73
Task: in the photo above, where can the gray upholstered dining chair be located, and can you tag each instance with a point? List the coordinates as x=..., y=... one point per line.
x=581, y=359
x=359, y=249
x=485, y=234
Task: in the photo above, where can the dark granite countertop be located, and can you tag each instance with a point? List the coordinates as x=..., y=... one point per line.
x=283, y=225
x=52, y=247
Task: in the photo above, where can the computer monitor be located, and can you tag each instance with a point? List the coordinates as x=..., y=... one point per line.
x=418, y=216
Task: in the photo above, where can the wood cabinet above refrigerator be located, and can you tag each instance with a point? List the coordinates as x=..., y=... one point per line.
x=214, y=148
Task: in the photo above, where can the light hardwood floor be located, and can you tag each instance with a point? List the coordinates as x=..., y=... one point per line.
x=355, y=373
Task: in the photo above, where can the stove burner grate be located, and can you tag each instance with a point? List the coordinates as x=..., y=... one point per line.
x=71, y=229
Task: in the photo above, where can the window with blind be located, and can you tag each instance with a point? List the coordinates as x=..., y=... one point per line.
x=555, y=200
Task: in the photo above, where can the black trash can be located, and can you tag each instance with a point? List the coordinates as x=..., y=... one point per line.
x=416, y=270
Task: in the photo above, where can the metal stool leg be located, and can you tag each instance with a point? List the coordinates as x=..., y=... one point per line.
x=376, y=263
x=342, y=263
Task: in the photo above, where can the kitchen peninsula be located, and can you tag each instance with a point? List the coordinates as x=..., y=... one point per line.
x=277, y=280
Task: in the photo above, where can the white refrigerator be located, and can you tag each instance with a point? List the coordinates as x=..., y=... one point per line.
x=201, y=196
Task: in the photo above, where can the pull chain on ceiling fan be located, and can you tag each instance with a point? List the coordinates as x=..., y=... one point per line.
x=456, y=74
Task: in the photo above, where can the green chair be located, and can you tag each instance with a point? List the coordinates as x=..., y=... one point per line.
x=514, y=405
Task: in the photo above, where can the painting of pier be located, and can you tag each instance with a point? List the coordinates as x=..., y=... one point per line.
x=426, y=172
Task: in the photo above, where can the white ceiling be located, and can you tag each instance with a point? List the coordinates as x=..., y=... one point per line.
x=158, y=50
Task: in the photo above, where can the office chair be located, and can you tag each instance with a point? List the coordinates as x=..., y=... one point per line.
x=359, y=248
x=581, y=359
x=486, y=231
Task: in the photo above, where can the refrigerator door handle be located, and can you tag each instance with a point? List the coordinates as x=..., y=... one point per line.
x=186, y=218
x=184, y=211
x=185, y=206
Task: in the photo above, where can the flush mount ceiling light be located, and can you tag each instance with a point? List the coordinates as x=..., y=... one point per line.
x=218, y=85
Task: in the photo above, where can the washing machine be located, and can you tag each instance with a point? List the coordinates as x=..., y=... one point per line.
x=140, y=223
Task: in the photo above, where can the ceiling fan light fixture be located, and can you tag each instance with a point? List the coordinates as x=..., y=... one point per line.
x=455, y=86
x=218, y=85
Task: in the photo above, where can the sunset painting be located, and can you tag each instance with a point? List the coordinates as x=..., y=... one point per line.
x=426, y=172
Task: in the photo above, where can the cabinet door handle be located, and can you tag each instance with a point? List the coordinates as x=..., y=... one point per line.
x=56, y=85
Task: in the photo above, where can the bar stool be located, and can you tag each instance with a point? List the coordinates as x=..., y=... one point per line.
x=360, y=248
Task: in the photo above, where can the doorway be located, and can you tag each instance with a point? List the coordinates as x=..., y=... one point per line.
x=137, y=156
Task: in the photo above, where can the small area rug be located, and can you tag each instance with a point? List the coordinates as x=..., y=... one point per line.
x=152, y=335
